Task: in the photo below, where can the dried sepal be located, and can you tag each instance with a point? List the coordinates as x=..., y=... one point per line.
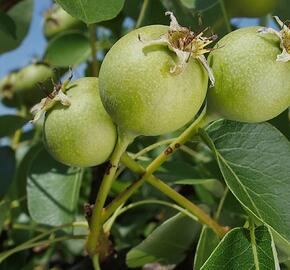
x=204, y=62
x=284, y=36
x=48, y=102
x=185, y=43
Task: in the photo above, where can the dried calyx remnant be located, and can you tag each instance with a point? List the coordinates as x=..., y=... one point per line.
x=7, y=86
x=57, y=95
x=185, y=43
x=284, y=36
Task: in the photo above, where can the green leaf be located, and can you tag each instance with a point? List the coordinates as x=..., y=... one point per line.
x=7, y=167
x=254, y=160
x=167, y=244
x=10, y=123
x=241, y=249
x=69, y=48
x=208, y=241
x=92, y=11
x=21, y=15
x=7, y=25
x=52, y=190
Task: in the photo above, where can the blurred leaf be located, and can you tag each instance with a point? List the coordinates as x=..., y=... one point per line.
x=196, y=181
x=92, y=11
x=52, y=190
x=167, y=244
x=189, y=3
x=76, y=246
x=186, y=17
x=204, y=196
x=69, y=48
x=254, y=160
x=236, y=250
x=173, y=171
x=4, y=210
x=203, y=13
x=283, y=10
x=115, y=24
x=208, y=241
x=154, y=13
x=24, y=157
x=212, y=185
x=7, y=167
x=7, y=25
x=233, y=213
x=21, y=15
x=10, y=123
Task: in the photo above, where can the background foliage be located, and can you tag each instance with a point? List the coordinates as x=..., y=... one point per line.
x=238, y=173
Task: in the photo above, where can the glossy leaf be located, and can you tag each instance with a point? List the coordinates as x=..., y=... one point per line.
x=167, y=244
x=52, y=190
x=10, y=123
x=207, y=242
x=255, y=162
x=7, y=167
x=242, y=250
x=70, y=48
x=21, y=15
x=92, y=11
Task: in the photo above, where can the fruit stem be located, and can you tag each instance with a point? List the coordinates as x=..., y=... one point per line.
x=121, y=210
x=225, y=15
x=96, y=263
x=93, y=42
x=144, y=151
x=4, y=255
x=175, y=196
x=142, y=13
x=124, y=139
x=153, y=166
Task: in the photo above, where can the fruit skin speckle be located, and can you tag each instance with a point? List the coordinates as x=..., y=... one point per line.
x=82, y=134
x=251, y=86
x=138, y=90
